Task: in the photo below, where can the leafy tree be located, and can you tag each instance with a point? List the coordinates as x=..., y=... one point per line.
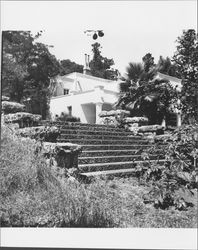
x=186, y=61
x=133, y=75
x=67, y=67
x=101, y=66
x=165, y=66
x=15, y=47
x=144, y=95
x=148, y=62
x=42, y=66
x=27, y=69
x=152, y=99
x=134, y=71
x=138, y=73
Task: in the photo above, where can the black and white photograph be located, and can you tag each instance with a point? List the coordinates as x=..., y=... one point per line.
x=99, y=114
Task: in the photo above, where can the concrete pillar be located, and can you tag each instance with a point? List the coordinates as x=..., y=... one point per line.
x=179, y=119
x=178, y=112
x=98, y=111
x=164, y=122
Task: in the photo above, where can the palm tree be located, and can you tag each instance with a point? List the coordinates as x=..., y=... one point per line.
x=135, y=77
x=151, y=98
x=134, y=71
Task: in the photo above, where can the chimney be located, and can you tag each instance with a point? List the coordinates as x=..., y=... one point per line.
x=86, y=69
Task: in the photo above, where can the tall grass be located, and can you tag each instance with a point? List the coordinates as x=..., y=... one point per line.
x=32, y=195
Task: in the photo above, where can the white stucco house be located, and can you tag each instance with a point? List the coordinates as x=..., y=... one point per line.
x=83, y=96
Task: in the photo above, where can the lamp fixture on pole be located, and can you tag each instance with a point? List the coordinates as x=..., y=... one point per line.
x=96, y=33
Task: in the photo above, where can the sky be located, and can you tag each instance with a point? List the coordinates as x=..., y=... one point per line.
x=131, y=28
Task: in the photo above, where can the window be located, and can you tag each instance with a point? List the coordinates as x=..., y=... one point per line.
x=66, y=91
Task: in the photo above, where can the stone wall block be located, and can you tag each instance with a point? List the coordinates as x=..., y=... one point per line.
x=64, y=154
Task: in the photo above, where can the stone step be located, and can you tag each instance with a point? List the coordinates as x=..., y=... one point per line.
x=101, y=137
x=116, y=172
x=97, y=129
x=103, y=142
x=102, y=132
x=94, y=147
x=112, y=165
x=114, y=158
x=74, y=124
x=108, y=152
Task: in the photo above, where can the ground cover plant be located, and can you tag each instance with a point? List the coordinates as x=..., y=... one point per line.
x=32, y=195
x=64, y=117
x=175, y=181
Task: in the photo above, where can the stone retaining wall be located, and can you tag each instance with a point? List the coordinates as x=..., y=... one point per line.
x=63, y=155
x=113, y=117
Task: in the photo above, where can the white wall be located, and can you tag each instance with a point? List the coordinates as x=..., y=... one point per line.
x=89, y=111
x=86, y=82
x=83, y=104
x=90, y=90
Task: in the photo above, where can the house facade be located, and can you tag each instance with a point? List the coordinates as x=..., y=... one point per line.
x=83, y=96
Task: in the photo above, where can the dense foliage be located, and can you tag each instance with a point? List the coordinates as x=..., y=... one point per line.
x=184, y=65
x=141, y=93
x=67, y=67
x=12, y=107
x=65, y=117
x=173, y=181
x=153, y=99
x=165, y=66
x=101, y=66
x=27, y=68
x=185, y=59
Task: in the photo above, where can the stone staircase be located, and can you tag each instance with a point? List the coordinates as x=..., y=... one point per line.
x=106, y=150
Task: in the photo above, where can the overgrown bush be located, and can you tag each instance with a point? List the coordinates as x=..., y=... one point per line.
x=12, y=107
x=64, y=117
x=177, y=175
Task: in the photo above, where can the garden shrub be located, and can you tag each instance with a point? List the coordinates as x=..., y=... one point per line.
x=12, y=107
x=64, y=117
x=178, y=174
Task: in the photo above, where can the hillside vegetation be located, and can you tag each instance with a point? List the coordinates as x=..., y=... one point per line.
x=32, y=195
